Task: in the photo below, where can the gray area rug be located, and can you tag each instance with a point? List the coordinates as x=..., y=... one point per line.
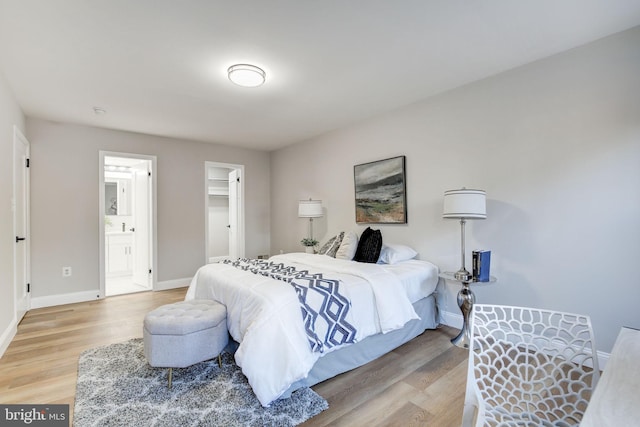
x=117, y=387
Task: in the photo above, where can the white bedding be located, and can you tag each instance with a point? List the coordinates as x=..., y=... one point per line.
x=263, y=314
x=419, y=278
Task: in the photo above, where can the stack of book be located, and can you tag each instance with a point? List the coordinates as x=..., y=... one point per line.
x=481, y=261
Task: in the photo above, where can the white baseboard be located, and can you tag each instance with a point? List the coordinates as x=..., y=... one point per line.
x=451, y=319
x=603, y=358
x=71, y=298
x=7, y=336
x=172, y=284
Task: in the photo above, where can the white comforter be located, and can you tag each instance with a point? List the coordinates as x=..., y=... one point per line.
x=264, y=316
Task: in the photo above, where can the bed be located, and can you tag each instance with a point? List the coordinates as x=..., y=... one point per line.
x=375, y=308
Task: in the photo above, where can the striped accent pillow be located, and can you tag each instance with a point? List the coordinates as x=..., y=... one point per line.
x=331, y=247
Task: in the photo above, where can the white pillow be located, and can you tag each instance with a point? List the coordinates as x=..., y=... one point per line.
x=391, y=253
x=348, y=246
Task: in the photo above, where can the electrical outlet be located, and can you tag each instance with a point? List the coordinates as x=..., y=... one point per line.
x=66, y=271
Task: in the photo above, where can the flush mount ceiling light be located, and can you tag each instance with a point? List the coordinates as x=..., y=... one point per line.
x=246, y=75
x=99, y=110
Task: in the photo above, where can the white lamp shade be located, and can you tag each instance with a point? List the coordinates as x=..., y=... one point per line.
x=310, y=208
x=464, y=203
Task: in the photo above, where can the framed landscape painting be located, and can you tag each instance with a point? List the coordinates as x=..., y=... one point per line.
x=381, y=195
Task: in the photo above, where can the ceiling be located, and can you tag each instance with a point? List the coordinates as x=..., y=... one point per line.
x=159, y=66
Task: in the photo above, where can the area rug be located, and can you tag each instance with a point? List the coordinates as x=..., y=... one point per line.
x=117, y=387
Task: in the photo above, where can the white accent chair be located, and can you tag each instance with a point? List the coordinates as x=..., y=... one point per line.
x=529, y=367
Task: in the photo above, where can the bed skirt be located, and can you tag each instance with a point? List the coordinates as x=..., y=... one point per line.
x=363, y=352
x=370, y=348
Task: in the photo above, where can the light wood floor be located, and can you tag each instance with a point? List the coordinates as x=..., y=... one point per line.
x=419, y=384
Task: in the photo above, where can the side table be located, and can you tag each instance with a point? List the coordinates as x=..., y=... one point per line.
x=466, y=299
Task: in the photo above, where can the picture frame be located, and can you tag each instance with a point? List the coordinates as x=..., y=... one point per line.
x=381, y=191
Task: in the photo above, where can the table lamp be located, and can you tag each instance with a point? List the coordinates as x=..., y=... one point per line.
x=310, y=209
x=464, y=204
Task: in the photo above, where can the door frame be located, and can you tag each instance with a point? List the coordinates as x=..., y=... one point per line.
x=19, y=138
x=153, y=227
x=240, y=241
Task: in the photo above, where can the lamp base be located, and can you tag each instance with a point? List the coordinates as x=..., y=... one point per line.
x=466, y=299
x=462, y=275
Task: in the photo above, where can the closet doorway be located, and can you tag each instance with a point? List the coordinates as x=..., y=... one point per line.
x=224, y=204
x=127, y=232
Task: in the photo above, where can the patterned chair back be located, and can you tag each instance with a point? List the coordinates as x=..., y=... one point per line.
x=529, y=367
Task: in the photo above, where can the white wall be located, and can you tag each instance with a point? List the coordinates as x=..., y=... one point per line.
x=64, y=205
x=556, y=145
x=10, y=115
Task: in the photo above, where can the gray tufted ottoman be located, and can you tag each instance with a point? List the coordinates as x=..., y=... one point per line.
x=185, y=333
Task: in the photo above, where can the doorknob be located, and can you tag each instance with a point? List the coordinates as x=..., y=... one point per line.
x=132, y=229
x=229, y=226
x=20, y=238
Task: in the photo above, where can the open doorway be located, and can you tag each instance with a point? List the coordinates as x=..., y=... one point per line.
x=224, y=204
x=127, y=223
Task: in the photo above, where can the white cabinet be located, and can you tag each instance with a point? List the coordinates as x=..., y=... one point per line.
x=118, y=250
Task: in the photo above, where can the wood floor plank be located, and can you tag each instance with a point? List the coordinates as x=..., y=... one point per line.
x=431, y=371
x=348, y=394
x=419, y=384
x=385, y=408
x=437, y=398
x=409, y=415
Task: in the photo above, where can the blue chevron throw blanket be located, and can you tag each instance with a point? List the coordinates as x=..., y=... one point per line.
x=324, y=308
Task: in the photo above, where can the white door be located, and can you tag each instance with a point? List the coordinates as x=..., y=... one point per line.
x=20, y=205
x=141, y=176
x=224, y=210
x=234, y=235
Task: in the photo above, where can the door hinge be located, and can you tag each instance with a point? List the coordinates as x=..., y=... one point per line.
x=149, y=173
x=27, y=162
x=149, y=271
x=238, y=179
x=28, y=287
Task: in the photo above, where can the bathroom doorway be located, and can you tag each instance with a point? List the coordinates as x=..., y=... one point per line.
x=224, y=204
x=127, y=211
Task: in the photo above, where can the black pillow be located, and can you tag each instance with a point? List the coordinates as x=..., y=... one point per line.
x=369, y=246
